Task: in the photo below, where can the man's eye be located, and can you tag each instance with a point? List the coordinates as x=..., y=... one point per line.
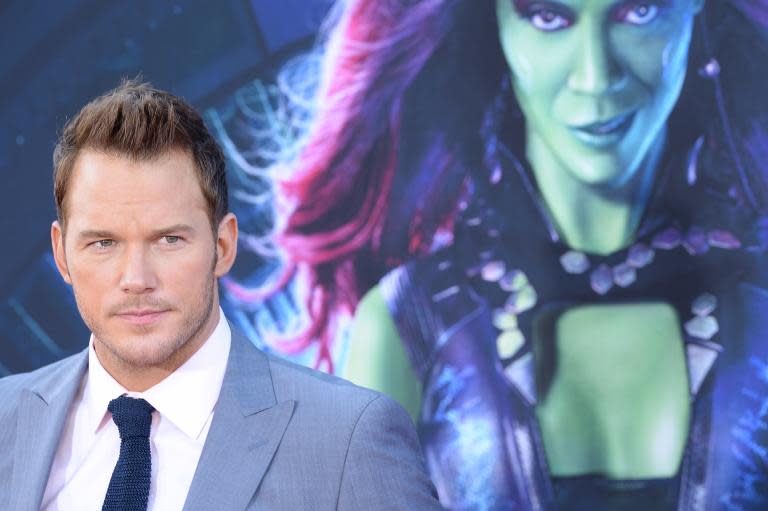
x=104, y=243
x=171, y=240
x=639, y=13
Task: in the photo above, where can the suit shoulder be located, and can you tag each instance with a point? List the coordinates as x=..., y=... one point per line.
x=305, y=385
x=45, y=376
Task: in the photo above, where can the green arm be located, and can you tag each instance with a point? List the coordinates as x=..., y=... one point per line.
x=377, y=357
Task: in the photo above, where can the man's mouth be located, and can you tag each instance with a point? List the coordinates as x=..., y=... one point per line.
x=141, y=316
x=604, y=133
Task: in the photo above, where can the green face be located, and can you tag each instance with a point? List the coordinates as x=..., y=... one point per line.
x=596, y=79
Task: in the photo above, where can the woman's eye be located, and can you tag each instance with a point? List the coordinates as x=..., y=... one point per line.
x=640, y=14
x=548, y=21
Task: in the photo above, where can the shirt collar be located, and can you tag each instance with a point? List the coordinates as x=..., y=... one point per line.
x=186, y=397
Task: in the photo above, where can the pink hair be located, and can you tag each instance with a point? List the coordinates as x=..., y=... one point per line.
x=351, y=153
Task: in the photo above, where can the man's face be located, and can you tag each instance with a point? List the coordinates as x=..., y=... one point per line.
x=140, y=255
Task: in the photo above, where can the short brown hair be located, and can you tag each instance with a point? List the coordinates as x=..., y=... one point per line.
x=140, y=122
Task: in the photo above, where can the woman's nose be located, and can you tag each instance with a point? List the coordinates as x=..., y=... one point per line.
x=595, y=70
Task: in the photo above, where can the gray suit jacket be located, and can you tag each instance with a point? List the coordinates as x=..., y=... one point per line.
x=283, y=437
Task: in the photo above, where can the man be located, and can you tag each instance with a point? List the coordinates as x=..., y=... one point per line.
x=169, y=408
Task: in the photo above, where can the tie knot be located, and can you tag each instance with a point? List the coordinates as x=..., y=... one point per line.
x=133, y=417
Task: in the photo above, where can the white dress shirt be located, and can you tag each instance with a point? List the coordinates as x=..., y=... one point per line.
x=90, y=444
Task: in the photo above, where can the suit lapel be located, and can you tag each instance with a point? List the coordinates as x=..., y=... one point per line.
x=42, y=412
x=248, y=425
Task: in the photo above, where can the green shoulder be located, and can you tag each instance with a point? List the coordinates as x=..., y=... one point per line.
x=377, y=356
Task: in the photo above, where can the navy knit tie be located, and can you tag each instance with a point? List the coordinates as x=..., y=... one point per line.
x=129, y=487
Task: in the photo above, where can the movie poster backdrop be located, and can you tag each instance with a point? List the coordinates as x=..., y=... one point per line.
x=541, y=227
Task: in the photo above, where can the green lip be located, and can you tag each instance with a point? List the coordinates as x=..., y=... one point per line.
x=601, y=134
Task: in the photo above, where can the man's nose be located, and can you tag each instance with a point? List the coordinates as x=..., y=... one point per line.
x=137, y=274
x=595, y=70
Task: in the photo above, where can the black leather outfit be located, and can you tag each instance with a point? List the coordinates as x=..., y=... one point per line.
x=478, y=424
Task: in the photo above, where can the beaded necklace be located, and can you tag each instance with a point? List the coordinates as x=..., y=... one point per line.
x=598, y=278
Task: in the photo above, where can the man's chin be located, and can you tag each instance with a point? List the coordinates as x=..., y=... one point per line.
x=142, y=352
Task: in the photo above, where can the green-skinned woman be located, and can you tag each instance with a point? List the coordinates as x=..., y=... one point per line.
x=547, y=219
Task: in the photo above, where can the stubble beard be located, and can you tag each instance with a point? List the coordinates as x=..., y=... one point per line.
x=154, y=351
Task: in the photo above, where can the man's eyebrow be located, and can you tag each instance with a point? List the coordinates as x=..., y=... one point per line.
x=174, y=229
x=162, y=231
x=94, y=234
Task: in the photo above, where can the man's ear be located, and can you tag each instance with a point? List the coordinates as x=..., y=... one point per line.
x=57, y=244
x=226, y=244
